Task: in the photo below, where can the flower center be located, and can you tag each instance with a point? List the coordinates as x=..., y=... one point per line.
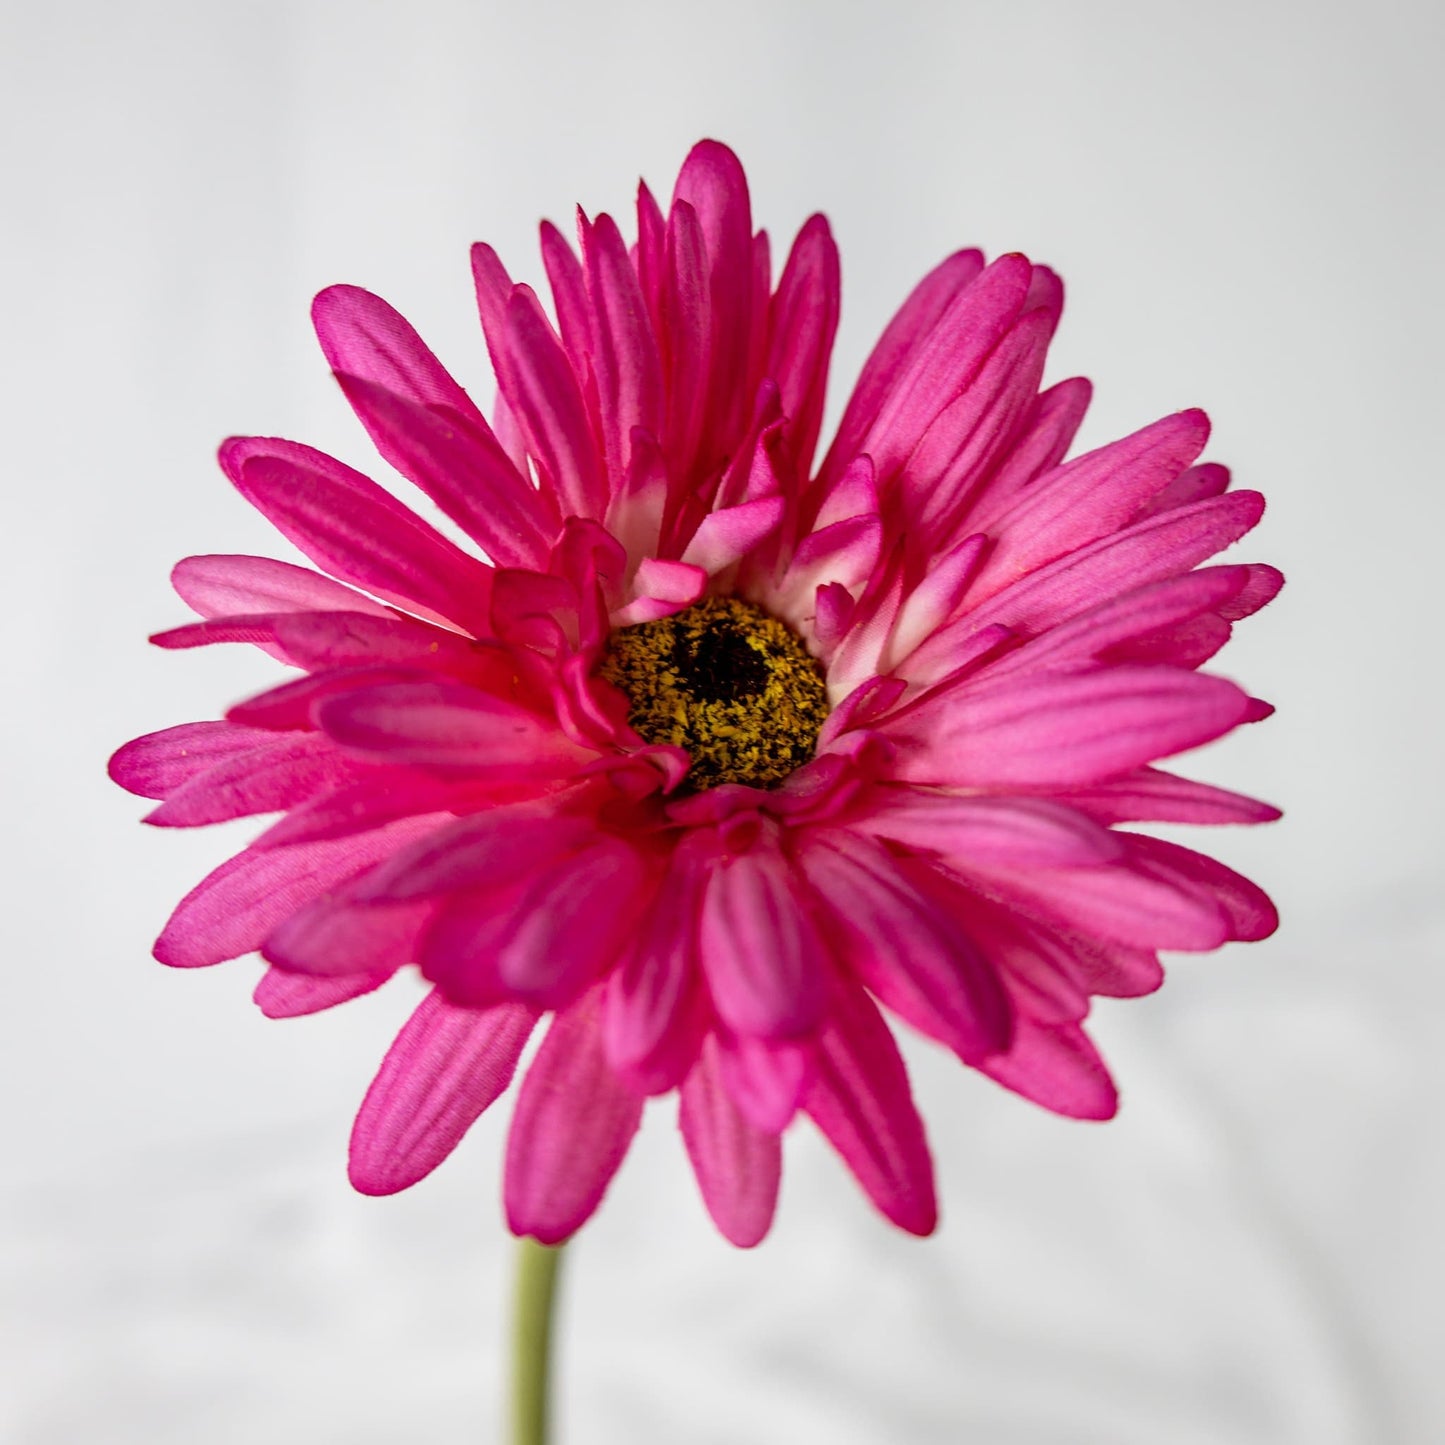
x=723, y=679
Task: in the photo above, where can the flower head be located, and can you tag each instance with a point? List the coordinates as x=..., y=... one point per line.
x=706, y=756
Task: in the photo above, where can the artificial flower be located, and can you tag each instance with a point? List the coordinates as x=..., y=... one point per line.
x=712, y=762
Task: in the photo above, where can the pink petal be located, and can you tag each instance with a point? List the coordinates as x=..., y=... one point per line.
x=973, y=430
x=233, y=909
x=228, y=586
x=544, y=395
x=362, y=335
x=346, y=524
x=907, y=950
x=661, y=588
x=1056, y=1067
x=1005, y=830
x=712, y=184
x=569, y=294
x=802, y=322
x=625, y=358
x=283, y=995
x=1054, y=419
x=724, y=537
x=1136, y=613
x=1194, y=485
x=738, y=1167
x=462, y=468
x=944, y=364
x=761, y=952
x=905, y=333
x=1155, y=796
x=544, y=939
x=648, y=994
x=1061, y=730
x=572, y=1127
x=1146, y=552
x=686, y=336
x=281, y=772
x=860, y=1099
x=491, y=849
x=333, y=937
x=380, y=795
x=446, y=1066
x=1117, y=903
x=292, y=706
x=442, y=724
x=765, y=1078
x=1091, y=497
x=155, y=765
x=1247, y=908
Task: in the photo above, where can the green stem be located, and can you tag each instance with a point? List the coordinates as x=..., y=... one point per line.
x=537, y=1266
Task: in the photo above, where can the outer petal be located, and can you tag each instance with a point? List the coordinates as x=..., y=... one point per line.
x=1057, y=1067
x=761, y=952
x=446, y=1066
x=1061, y=730
x=738, y=1166
x=910, y=953
x=573, y=1124
x=860, y=1099
x=221, y=585
x=234, y=908
x=155, y=765
x=283, y=995
x=346, y=524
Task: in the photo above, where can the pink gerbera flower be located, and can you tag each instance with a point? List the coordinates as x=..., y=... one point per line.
x=716, y=757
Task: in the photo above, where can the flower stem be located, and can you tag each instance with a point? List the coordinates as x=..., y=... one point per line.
x=537, y=1266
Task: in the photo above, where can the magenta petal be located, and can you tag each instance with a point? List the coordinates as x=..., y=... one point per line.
x=802, y=322
x=155, y=765
x=647, y=995
x=860, y=1099
x=711, y=184
x=334, y=937
x=625, y=359
x=544, y=395
x=765, y=1078
x=761, y=952
x=231, y=586
x=571, y=1130
x=489, y=850
x=1004, y=830
x=1057, y=1067
x=905, y=949
x=362, y=335
x=1250, y=913
x=233, y=909
x=463, y=469
x=545, y=938
x=945, y=363
x=442, y=724
x=738, y=1167
x=1155, y=796
x=1062, y=729
x=723, y=537
x=1091, y=497
x=914, y=320
x=1121, y=904
x=1043, y=438
x=446, y=1066
x=284, y=995
x=346, y=524
x=282, y=772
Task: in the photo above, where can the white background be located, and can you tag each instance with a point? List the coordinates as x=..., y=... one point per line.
x=1244, y=201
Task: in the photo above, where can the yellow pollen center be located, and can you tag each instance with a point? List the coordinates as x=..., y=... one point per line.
x=723, y=679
